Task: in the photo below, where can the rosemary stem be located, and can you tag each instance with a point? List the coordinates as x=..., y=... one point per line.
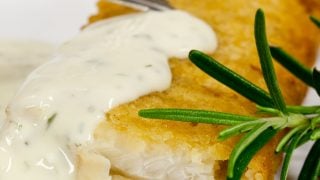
x=316, y=80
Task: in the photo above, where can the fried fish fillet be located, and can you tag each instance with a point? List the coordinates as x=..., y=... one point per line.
x=128, y=146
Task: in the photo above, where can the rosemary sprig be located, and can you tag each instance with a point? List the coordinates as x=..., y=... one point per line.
x=304, y=121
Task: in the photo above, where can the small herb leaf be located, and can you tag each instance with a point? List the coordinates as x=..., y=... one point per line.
x=266, y=61
x=51, y=119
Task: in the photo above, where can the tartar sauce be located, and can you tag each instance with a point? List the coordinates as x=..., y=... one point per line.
x=109, y=63
x=17, y=59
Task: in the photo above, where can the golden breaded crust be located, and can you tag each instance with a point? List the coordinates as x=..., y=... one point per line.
x=191, y=88
x=312, y=7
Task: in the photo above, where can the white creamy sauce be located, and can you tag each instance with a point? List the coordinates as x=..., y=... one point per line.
x=17, y=59
x=110, y=63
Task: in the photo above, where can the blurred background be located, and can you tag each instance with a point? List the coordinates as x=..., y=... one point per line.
x=48, y=20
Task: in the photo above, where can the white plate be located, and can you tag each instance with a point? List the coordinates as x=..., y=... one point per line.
x=56, y=21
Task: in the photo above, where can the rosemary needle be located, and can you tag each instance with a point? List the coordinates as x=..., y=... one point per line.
x=316, y=80
x=311, y=167
x=315, y=21
x=235, y=130
x=245, y=157
x=242, y=145
x=293, y=144
x=266, y=61
x=230, y=78
x=195, y=116
x=292, y=64
x=284, y=141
